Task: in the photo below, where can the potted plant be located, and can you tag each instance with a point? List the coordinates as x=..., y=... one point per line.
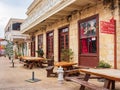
x=40, y=52
x=66, y=55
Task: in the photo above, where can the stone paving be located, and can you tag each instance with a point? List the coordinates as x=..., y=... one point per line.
x=15, y=78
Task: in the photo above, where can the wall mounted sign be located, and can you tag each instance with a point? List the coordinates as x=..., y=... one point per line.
x=108, y=27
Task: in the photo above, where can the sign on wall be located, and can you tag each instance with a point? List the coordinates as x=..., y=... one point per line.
x=108, y=27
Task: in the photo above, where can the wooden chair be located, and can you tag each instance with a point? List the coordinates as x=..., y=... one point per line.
x=50, y=68
x=50, y=72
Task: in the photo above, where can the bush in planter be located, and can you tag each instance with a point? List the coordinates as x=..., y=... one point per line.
x=103, y=64
x=66, y=55
x=40, y=52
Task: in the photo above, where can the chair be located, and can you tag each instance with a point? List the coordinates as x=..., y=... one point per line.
x=50, y=68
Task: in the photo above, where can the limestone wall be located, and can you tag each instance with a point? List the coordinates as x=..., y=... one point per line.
x=106, y=41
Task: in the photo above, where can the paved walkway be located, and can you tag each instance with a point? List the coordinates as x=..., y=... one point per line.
x=14, y=78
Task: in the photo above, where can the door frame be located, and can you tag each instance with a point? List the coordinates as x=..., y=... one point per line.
x=47, y=42
x=33, y=42
x=59, y=29
x=97, y=34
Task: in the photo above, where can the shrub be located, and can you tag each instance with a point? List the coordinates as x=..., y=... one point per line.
x=66, y=55
x=103, y=64
x=40, y=52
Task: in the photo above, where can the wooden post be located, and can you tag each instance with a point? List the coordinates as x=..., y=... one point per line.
x=12, y=64
x=115, y=47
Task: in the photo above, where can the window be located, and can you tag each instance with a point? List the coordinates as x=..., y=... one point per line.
x=64, y=38
x=88, y=36
x=16, y=26
x=40, y=41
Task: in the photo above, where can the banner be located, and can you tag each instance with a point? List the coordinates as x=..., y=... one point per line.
x=108, y=27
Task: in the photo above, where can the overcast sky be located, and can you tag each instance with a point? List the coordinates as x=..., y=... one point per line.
x=12, y=9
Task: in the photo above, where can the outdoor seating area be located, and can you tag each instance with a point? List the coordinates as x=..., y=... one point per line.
x=82, y=77
x=77, y=74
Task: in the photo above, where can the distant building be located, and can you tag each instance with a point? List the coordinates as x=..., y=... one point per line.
x=2, y=47
x=13, y=33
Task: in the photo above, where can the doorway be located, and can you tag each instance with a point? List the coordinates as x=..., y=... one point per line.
x=88, y=41
x=50, y=44
x=63, y=40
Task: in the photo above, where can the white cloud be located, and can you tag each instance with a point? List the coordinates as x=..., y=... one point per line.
x=8, y=11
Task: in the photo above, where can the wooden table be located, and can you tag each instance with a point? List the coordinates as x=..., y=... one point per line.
x=67, y=65
x=31, y=61
x=111, y=75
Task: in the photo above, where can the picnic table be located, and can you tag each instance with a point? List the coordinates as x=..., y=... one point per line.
x=111, y=75
x=65, y=65
x=31, y=61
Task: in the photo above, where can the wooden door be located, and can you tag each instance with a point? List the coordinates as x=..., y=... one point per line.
x=33, y=47
x=63, y=40
x=88, y=41
x=50, y=44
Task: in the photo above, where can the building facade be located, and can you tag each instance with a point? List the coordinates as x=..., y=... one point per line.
x=89, y=27
x=2, y=47
x=12, y=33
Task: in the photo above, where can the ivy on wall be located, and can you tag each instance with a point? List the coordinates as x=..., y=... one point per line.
x=111, y=3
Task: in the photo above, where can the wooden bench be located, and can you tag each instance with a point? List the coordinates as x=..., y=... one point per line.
x=87, y=84
x=72, y=72
x=76, y=72
x=68, y=78
x=50, y=72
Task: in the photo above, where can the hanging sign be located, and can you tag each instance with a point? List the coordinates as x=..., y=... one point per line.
x=108, y=27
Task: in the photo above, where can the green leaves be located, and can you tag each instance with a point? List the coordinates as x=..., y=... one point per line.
x=103, y=64
x=9, y=49
x=40, y=52
x=66, y=54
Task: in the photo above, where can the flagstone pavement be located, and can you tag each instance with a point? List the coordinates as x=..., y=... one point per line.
x=15, y=78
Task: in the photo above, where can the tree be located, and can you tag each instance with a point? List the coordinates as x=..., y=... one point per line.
x=9, y=49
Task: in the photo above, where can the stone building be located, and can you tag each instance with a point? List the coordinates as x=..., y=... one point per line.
x=89, y=27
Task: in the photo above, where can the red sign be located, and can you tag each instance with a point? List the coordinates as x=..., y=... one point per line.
x=108, y=27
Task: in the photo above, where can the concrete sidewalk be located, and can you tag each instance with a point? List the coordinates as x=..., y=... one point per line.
x=15, y=78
